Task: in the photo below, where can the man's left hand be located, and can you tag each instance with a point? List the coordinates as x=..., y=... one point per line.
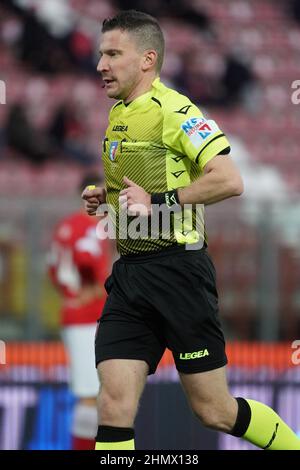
x=134, y=199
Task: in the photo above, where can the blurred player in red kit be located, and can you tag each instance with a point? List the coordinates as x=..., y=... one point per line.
x=79, y=262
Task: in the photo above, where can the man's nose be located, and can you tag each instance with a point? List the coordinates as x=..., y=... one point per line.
x=102, y=65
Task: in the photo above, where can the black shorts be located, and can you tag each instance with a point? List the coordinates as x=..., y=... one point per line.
x=159, y=301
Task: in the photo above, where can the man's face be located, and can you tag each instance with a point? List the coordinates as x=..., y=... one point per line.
x=120, y=63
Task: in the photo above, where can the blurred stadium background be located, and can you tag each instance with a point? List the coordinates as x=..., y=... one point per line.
x=238, y=60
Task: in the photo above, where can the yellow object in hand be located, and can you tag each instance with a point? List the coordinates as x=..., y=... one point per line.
x=91, y=187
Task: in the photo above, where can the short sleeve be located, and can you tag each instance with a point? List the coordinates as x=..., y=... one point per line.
x=188, y=132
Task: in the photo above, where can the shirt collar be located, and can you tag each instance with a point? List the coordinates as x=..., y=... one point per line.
x=144, y=97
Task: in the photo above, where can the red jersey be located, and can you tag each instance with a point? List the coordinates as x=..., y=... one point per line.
x=79, y=263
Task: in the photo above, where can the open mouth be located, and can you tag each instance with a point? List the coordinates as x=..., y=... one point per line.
x=108, y=81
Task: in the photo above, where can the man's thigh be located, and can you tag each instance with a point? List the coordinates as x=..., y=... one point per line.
x=205, y=386
x=189, y=307
x=121, y=377
x=128, y=328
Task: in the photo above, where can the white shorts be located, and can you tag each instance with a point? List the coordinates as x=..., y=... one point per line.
x=79, y=341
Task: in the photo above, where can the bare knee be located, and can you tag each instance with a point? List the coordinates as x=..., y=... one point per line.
x=208, y=416
x=122, y=383
x=217, y=415
x=116, y=408
x=210, y=399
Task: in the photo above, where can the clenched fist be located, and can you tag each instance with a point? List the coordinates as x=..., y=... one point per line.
x=93, y=198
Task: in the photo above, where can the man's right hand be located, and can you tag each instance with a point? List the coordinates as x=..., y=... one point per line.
x=93, y=198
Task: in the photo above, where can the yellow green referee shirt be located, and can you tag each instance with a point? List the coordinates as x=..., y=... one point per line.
x=161, y=141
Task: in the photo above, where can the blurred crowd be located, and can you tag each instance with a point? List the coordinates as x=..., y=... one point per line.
x=48, y=55
x=234, y=58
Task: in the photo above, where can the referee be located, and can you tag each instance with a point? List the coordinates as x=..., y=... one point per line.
x=161, y=154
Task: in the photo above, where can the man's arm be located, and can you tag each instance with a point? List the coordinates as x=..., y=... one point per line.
x=221, y=180
x=205, y=144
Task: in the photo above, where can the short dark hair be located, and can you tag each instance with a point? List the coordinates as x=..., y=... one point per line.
x=145, y=28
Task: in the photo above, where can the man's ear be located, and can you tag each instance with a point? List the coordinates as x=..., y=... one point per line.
x=149, y=60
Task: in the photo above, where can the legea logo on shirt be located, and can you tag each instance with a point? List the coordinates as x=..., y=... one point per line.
x=198, y=129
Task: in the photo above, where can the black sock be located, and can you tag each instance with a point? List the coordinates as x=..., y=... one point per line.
x=243, y=418
x=114, y=438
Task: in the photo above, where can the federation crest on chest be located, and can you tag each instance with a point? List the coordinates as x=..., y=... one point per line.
x=113, y=150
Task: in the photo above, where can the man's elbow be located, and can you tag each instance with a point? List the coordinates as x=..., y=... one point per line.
x=236, y=186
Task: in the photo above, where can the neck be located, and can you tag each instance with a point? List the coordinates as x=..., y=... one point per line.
x=142, y=87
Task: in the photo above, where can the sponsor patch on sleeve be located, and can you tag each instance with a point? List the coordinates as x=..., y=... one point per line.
x=199, y=129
